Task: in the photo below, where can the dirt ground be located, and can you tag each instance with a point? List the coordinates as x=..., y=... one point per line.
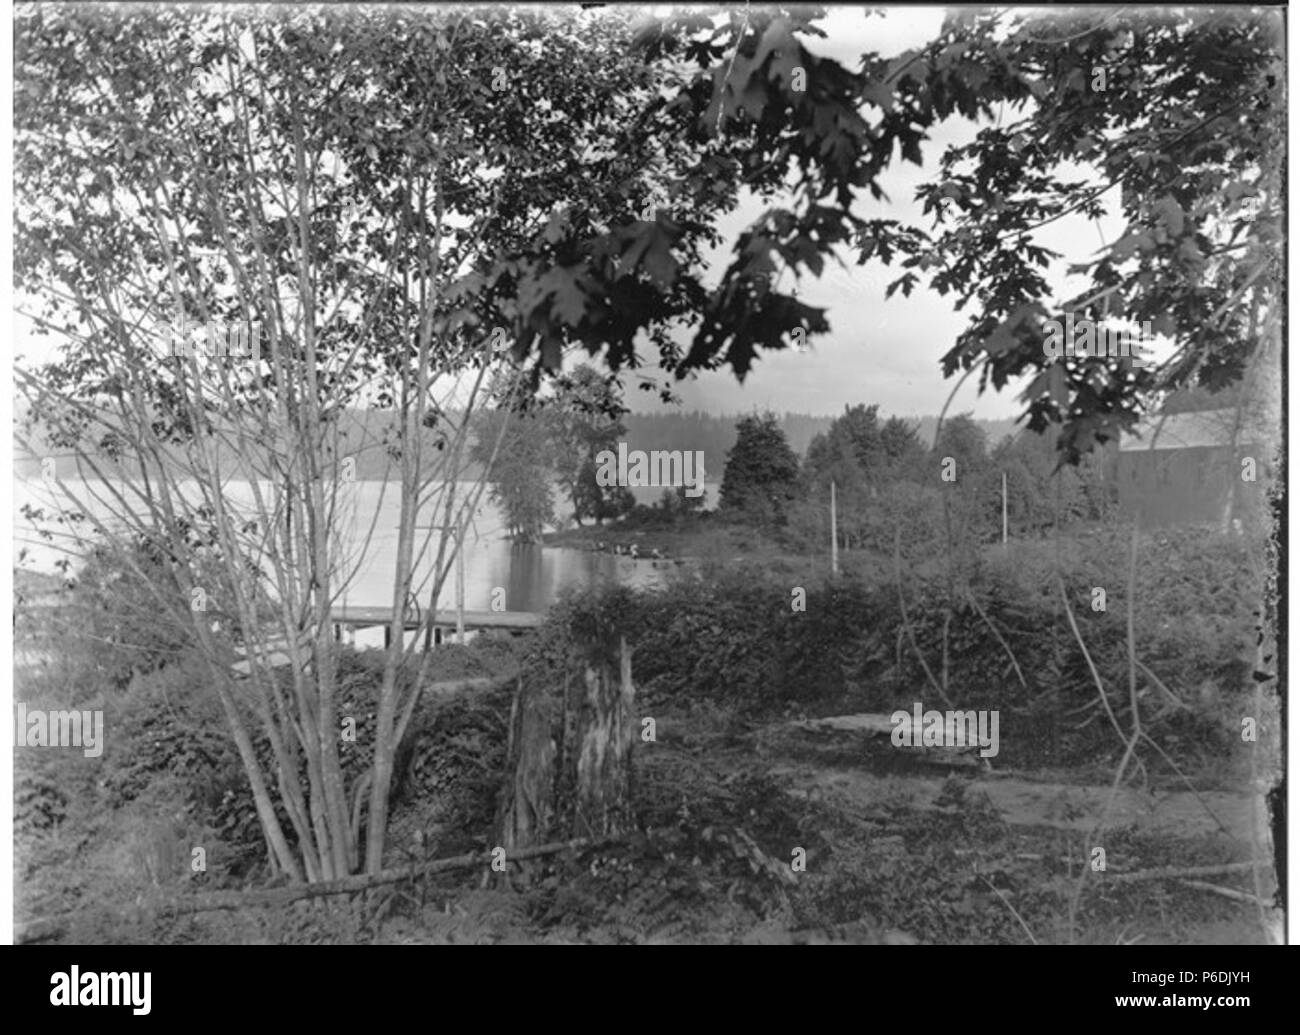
x=788, y=832
x=897, y=847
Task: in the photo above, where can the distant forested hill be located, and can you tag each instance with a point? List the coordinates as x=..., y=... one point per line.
x=365, y=433
x=715, y=435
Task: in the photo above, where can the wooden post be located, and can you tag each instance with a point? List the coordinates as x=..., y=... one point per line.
x=835, y=541
x=460, y=585
x=1004, y=509
x=430, y=636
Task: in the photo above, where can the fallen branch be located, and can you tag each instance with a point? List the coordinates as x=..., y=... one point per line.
x=970, y=594
x=1180, y=871
x=907, y=622
x=1232, y=893
x=1096, y=676
x=38, y=930
x=1197, y=794
x=1007, y=902
x=449, y=687
x=365, y=882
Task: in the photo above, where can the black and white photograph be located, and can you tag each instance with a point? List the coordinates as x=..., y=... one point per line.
x=616, y=474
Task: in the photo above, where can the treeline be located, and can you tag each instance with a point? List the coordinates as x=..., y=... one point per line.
x=716, y=435
x=367, y=434
x=896, y=490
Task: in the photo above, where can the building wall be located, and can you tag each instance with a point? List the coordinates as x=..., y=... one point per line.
x=1196, y=485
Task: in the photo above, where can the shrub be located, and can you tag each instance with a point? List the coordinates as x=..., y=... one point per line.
x=120, y=616
x=729, y=635
x=168, y=725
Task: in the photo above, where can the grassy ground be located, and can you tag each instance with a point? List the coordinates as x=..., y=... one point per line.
x=710, y=541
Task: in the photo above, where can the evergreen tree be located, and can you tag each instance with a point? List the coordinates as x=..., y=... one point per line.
x=904, y=452
x=762, y=471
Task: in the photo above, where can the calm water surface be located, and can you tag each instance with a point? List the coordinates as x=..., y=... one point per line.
x=532, y=576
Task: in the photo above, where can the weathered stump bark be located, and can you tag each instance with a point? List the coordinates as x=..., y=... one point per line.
x=569, y=761
x=527, y=807
x=604, y=791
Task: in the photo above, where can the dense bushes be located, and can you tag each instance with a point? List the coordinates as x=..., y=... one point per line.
x=168, y=726
x=674, y=509
x=114, y=643
x=121, y=615
x=110, y=829
x=730, y=635
x=725, y=642
x=101, y=628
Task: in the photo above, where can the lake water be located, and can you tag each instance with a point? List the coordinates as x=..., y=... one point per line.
x=532, y=576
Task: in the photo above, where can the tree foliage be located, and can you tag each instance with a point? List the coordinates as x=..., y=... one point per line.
x=762, y=471
x=904, y=451
x=393, y=197
x=965, y=442
x=588, y=411
x=1040, y=494
x=514, y=443
x=1179, y=111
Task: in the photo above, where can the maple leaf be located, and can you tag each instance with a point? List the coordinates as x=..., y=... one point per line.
x=651, y=252
x=562, y=282
x=879, y=94
x=1171, y=213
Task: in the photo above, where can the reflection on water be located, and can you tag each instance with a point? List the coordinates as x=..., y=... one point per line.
x=532, y=576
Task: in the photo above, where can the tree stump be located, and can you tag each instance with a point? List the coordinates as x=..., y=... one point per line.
x=604, y=787
x=527, y=808
x=569, y=760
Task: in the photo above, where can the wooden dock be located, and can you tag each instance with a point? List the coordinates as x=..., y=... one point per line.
x=278, y=652
x=369, y=617
x=444, y=621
